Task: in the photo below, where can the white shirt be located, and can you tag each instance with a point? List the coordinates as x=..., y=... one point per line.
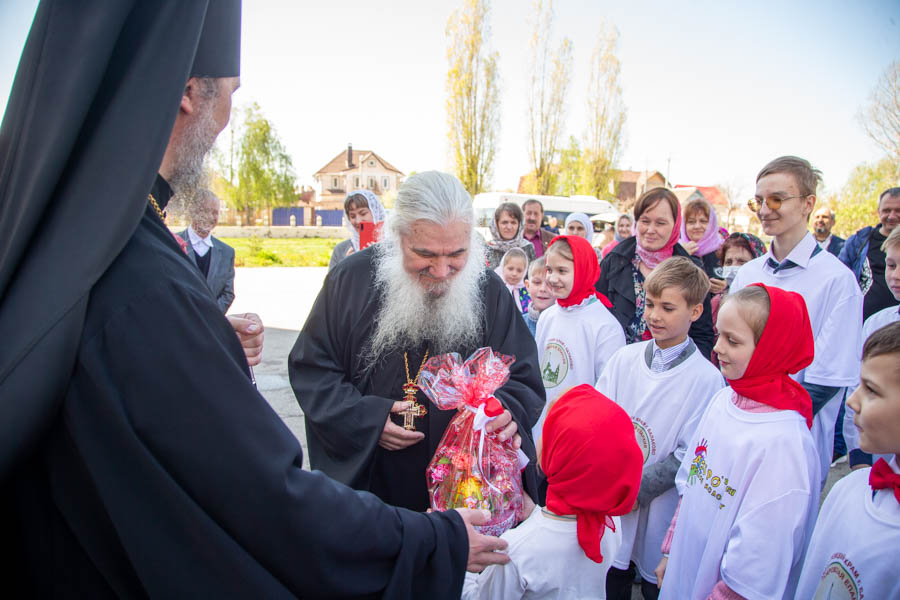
x=834, y=303
x=546, y=563
x=201, y=245
x=665, y=409
x=750, y=494
x=663, y=357
x=824, y=243
x=853, y=550
x=573, y=345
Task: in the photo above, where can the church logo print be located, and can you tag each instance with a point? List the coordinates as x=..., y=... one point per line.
x=557, y=361
x=644, y=438
x=839, y=581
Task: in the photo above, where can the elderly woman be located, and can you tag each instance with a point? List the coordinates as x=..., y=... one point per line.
x=701, y=238
x=623, y=271
x=508, y=232
x=361, y=206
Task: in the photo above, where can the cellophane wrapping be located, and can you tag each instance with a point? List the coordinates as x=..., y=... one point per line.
x=456, y=476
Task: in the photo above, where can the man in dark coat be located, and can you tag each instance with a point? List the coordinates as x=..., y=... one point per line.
x=422, y=291
x=135, y=469
x=823, y=223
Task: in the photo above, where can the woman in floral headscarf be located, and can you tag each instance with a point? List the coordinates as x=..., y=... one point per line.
x=508, y=232
x=360, y=206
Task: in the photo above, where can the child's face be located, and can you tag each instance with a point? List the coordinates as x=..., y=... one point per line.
x=669, y=316
x=877, y=405
x=541, y=298
x=891, y=270
x=560, y=275
x=513, y=270
x=735, y=345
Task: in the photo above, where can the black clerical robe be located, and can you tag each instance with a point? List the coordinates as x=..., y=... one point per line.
x=345, y=405
x=166, y=476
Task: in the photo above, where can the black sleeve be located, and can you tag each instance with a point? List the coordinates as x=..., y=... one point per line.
x=702, y=331
x=227, y=296
x=205, y=484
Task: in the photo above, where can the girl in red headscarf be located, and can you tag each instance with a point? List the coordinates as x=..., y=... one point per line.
x=750, y=484
x=593, y=467
x=577, y=335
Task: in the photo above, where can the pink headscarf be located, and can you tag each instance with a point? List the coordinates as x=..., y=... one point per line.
x=652, y=258
x=711, y=240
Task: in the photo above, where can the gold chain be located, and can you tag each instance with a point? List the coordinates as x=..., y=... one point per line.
x=159, y=211
x=406, y=365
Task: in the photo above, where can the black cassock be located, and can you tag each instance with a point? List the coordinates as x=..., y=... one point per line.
x=345, y=405
x=167, y=475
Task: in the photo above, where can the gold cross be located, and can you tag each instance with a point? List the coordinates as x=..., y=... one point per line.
x=414, y=410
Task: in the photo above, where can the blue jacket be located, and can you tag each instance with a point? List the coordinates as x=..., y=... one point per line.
x=855, y=250
x=836, y=245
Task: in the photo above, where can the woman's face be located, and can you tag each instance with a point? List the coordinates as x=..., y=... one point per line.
x=696, y=225
x=360, y=215
x=737, y=256
x=576, y=228
x=507, y=225
x=623, y=228
x=654, y=227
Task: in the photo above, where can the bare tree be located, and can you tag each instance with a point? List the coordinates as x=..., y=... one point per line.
x=881, y=117
x=473, y=97
x=604, y=139
x=549, y=82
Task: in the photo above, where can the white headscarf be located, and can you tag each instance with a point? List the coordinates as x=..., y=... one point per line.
x=375, y=207
x=584, y=220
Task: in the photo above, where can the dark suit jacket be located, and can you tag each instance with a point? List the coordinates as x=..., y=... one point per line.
x=836, y=245
x=220, y=278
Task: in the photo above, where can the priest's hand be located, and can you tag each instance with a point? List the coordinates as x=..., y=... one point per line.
x=249, y=329
x=483, y=549
x=395, y=437
x=506, y=429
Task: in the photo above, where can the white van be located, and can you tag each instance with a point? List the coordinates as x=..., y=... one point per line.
x=558, y=206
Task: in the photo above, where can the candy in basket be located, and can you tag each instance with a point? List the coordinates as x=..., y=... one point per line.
x=471, y=469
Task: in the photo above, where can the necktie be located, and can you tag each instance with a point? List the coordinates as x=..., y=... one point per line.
x=883, y=477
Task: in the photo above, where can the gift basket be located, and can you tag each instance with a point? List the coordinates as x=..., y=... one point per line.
x=472, y=469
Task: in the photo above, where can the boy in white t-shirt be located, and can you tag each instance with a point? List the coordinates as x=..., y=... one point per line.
x=593, y=469
x=664, y=384
x=785, y=197
x=886, y=316
x=853, y=550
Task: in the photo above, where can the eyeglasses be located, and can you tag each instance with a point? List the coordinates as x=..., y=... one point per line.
x=773, y=202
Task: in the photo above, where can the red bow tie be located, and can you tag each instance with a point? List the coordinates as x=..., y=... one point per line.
x=883, y=477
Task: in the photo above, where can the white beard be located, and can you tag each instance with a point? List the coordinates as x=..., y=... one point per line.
x=447, y=317
x=189, y=174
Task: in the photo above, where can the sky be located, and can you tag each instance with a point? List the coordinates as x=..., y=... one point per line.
x=713, y=89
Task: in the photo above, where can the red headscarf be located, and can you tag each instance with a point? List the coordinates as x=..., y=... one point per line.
x=586, y=271
x=652, y=258
x=786, y=346
x=592, y=463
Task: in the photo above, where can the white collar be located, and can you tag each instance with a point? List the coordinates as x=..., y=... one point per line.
x=196, y=240
x=800, y=254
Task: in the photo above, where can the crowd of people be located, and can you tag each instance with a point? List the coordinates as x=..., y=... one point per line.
x=673, y=397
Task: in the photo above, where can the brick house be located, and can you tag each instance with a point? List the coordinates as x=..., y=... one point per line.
x=631, y=184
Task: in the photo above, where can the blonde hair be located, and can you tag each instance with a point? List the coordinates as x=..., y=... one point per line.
x=754, y=306
x=807, y=177
x=892, y=241
x=538, y=263
x=514, y=253
x=680, y=272
x=562, y=248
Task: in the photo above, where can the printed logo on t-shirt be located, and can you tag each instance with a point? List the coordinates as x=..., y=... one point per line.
x=644, y=437
x=557, y=361
x=716, y=485
x=840, y=581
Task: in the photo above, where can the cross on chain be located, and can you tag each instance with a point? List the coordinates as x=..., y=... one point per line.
x=414, y=410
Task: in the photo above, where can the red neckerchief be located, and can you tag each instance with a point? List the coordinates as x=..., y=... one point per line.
x=882, y=477
x=586, y=271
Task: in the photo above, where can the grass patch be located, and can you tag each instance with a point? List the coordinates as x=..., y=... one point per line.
x=281, y=252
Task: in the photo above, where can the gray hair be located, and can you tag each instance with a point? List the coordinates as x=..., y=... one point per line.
x=431, y=196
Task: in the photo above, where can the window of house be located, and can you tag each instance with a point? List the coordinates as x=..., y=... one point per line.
x=334, y=183
x=371, y=163
x=372, y=183
x=356, y=181
x=385, y=183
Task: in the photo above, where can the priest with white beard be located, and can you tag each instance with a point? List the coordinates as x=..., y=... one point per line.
x=422, y=291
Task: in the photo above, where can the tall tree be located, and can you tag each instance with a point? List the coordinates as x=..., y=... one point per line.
x=550, y=72
x=856, y=205
x=473, y=94
x=604, y=139
x=881, y=117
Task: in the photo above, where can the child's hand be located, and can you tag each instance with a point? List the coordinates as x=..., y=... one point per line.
x=660, y=570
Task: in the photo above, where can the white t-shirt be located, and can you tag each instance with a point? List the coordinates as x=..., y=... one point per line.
x=883, y=317
x=573, y=345
x=546, y=562
x=665, y=409
x=854, y=548
x=834, y=303
x=750, y=491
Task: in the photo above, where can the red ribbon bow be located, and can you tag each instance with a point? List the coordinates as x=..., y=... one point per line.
x=882, y=477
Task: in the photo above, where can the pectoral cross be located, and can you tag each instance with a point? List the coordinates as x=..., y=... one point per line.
x=415, y=409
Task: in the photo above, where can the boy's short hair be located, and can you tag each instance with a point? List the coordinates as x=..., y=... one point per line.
x=807, y=177
x=884, y=341
x=892, y=241
x=754, y=305
x=541, y=264
x=680, y=272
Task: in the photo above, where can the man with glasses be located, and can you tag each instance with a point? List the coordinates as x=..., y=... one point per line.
x=863, y=254
x=785, y=197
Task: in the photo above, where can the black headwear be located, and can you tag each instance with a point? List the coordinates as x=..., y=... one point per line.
x=88, y=120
